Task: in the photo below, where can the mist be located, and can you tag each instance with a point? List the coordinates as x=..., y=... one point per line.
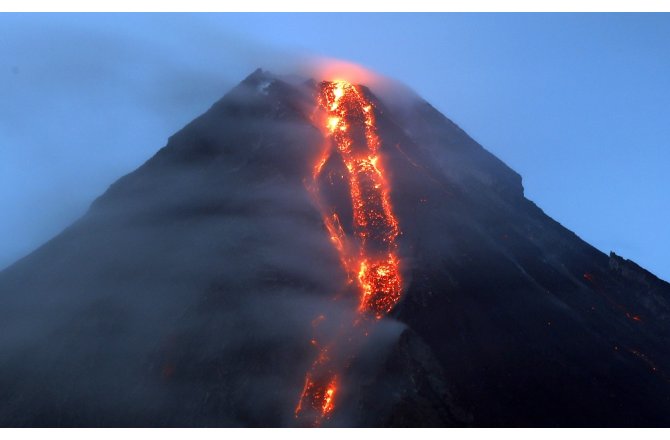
x=106, y=92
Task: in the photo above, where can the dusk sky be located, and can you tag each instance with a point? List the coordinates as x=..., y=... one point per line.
x=577, y=104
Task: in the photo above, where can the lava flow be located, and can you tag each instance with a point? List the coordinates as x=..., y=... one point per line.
x=351, y=125
x=370, y=257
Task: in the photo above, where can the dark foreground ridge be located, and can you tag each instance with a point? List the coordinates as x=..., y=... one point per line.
x=185, y=296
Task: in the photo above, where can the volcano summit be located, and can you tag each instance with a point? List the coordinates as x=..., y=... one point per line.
x=312, y=254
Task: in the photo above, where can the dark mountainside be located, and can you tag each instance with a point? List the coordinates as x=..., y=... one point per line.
x=186, y=295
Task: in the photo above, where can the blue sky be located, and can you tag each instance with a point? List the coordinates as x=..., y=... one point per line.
x=579, y=105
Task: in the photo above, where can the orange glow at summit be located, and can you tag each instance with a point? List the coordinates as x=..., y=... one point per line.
x=334, y=70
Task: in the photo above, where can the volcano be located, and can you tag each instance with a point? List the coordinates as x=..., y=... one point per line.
x=314, y=253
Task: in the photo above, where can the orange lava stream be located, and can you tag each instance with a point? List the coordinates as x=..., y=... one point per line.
x=351, y=125
x=371, y=257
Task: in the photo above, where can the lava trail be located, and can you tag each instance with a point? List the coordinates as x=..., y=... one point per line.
x=370, y=256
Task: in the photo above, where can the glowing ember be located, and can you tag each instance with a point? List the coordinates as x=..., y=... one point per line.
x=599, y=289
x=318, y=398
x=371, y=257
x=380, y=285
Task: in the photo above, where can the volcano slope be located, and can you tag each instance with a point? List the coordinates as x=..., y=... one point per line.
x=191, y=292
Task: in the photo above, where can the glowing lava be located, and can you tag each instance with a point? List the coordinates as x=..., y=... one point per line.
x=370, y=257
x=351, y=126
x=318, y=397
